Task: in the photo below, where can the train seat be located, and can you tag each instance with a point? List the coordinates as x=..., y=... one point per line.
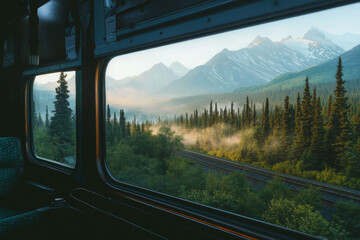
x=11, y=171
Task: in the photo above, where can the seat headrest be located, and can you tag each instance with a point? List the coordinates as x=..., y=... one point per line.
x=10, y=152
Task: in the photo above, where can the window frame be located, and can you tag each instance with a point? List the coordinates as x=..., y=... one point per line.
x=225, y=221
x=33, y=157
x=159, y=200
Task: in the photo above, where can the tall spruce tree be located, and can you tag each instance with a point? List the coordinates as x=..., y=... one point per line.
x=329, y=103
x=216, y=114
x=317, y=148
x=61, y=128
x=122, y=123
x=211, y=120
x=232, y=114
x=286, y=133
x=266, y=120
x=313, y=105
x=338, y=125
x=40, y=121
x=47, y=122
x=196, y=118
x=115, y=127
x=298, y=143
x=109, y=129
x=205, y=119
x=306, y=116
x=286, y=123
x=247, y=112
x=226, y=116
x=253, y=121
x=277, y=121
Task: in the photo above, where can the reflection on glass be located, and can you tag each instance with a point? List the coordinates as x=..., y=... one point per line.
x=54, y=117
x=289, y=104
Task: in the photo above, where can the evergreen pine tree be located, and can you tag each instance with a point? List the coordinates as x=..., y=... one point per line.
x=134, y=126
x=40, y=121
x=266, y=120
x=338, y=125
x=205, y=120
x=47, y=122
x=298, y=144
x=329, y=103
x=181, y=120
x=313, y=105
x=197, y=118
x=128, y=129
x=253, y=116
x=226, y=117
x=115, y=127
x=306, y=116
x=216, y=114
x=247, y=112
x=191, y=121
x=286, y=124
x=211, y=120
x=61, y=128
x=109, y=129
x=122, y=123
x=243, y=118
x=142, y=127
x=277, y=121
x=317, y=148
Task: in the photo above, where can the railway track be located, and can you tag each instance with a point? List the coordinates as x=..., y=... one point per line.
x=330, y=193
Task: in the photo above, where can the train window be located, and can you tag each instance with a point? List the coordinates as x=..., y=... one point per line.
x=215, y=119
x=53, y=117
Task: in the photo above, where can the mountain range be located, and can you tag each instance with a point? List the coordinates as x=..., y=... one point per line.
x=287, y=84
x=260, y=62
x=153, y=79
x=324, y=72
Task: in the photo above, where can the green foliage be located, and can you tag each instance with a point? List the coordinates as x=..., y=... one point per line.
x=301, y=217
x=348, y=217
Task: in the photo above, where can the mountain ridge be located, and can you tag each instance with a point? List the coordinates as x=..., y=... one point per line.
x=256, y=64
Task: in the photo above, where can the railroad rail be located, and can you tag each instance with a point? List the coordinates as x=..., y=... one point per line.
x=330, y=193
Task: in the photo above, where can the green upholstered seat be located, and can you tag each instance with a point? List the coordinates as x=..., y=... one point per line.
x=11, y=170
x=11, y=164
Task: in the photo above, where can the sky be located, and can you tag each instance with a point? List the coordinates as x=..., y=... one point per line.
x=198, y=51
x=51, y=77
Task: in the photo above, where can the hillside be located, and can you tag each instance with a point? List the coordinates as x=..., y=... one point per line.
x=321, y=73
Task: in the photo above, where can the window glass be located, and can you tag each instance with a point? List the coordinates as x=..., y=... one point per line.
x=54, y=117
x=214, y=119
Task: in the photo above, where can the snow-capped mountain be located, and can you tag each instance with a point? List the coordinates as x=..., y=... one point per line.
x=151, y=80
x=256, y=64
x=179, y=69
x=314, y=45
